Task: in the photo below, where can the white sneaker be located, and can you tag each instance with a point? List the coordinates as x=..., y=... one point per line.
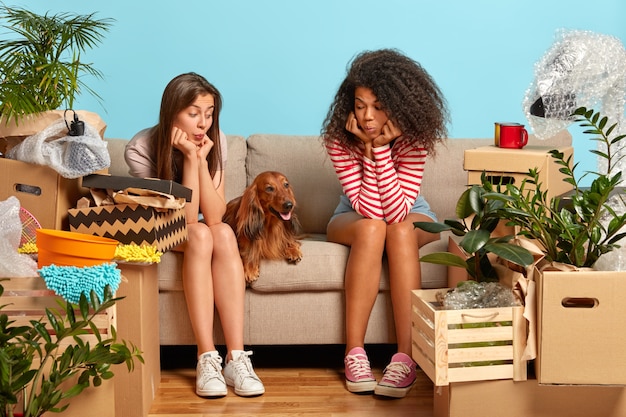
x=209, y=378
x=240, y=375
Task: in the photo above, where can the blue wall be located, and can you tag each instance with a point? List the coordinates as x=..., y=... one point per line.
x=278, y=62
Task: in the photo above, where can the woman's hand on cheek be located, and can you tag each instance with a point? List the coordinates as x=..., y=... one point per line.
x=352, y=126
x=389, y=132
x=205, y=147
x=180, y=142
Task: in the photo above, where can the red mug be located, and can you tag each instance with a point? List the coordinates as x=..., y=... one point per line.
x=511, y=135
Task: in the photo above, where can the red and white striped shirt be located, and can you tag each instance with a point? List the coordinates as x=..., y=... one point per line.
x=384, y=188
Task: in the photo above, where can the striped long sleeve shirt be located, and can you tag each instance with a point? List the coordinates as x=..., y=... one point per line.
x=384, y=188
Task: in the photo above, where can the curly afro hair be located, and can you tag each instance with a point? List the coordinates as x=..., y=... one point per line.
x=405, y=90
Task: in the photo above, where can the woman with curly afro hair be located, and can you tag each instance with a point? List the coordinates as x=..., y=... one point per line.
x=387, y=116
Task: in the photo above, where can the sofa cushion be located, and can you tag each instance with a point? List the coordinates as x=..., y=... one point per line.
x=235, y=166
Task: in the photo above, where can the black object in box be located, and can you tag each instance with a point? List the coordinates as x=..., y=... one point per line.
x=119, y=183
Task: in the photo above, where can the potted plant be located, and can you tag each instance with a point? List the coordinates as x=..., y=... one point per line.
x=579, y=332
x=35, y=362
x=572, y=229
x=479, y=216
x=41, y=69
x=569, y=229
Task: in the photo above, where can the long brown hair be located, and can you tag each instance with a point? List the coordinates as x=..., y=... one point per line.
x=179, y=94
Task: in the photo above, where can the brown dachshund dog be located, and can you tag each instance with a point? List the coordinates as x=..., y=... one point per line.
x=264, y=222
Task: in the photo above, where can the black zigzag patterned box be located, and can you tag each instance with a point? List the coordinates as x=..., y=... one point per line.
x=132, y=223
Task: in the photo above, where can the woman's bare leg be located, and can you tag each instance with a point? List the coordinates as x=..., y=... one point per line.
x=366, y=238
x=229, y=286
x=402, y=247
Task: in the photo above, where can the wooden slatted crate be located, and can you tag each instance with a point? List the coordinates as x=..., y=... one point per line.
x=26, y=299
x=467, y=345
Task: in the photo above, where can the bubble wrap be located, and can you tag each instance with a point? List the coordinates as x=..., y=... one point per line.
x=70, y=156
x=614, y=260
x=581, y=69
x=472, y=294
x=12, y=263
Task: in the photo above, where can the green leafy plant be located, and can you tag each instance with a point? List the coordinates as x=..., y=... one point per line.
x=479, y=216
x=41, y=68
x=34, y=364
x=573, y=229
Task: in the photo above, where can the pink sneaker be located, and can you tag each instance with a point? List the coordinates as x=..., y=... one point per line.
x=359, y=377
x=398, y=377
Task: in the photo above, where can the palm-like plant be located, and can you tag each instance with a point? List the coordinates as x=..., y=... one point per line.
x=41, y=68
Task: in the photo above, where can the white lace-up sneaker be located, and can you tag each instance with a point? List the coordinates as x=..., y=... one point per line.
x=209, y=379
x=240, y=375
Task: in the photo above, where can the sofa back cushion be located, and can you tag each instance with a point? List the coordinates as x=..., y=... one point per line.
x=303, y=160
x=235, y=167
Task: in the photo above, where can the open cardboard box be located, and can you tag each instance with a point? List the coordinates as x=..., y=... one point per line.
x=510, y=166
x=40, y=189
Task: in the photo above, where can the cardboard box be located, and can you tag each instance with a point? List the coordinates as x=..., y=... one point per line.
x=26, y=299
x=467, y=345
x=581, y=327
x=138, y=314
x=527, y=399
x=132, y=223
x=117, y=183
x=510, y=166
x=41, y=190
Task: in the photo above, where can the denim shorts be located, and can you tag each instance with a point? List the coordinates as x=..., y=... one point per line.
x=420, y=206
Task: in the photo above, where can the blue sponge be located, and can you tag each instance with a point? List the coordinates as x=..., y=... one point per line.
x=70, y=282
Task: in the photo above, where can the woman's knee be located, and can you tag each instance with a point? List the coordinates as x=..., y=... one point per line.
x=223, y=234
x=199, y=236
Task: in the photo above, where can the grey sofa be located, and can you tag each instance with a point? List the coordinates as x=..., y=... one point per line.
x=304, y=303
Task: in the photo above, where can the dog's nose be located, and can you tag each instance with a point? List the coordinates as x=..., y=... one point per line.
x=287, y=205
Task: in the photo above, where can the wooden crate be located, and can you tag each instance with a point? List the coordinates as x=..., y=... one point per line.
x=26, y=299
x=467, y=345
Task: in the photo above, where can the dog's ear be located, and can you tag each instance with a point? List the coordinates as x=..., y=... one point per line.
x=294, y=225
x=250, y=216
x=230, y=216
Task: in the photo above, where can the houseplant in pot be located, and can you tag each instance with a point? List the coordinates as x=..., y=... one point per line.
x=579, y=309
x=47, y=362
x=575, y=229
x=482, y=241
x=41, y=68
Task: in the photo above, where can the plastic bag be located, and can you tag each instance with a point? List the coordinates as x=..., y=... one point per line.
x=70, y=156
x=12, y=263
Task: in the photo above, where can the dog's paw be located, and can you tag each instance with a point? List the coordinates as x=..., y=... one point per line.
x=251, y=274
x=293, y=255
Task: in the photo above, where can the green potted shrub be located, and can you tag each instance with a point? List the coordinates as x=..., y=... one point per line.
x=478, y=216
x=572, y=230
x=568, y=229
x=578, y=308
x=35, y=363
x=42, y=68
